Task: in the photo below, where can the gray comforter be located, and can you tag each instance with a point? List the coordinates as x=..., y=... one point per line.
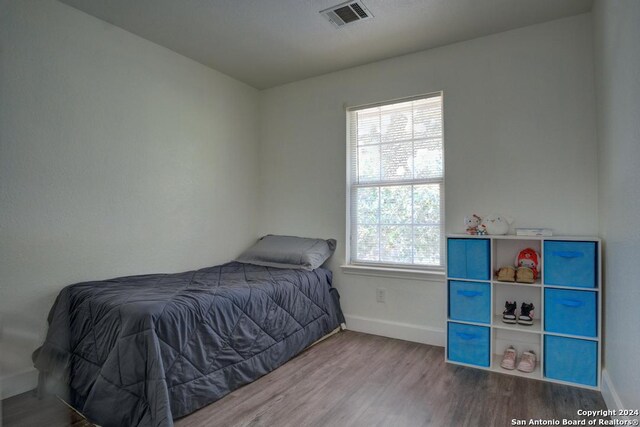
x=144, y=350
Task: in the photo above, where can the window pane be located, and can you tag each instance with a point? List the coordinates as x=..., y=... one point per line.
x=427, y=118
x=426, y=245
x=395, y=205
x=367, y=244
x=369, y=163
x=428, y=159
x=397, y=162
x=426, y=204
x=367, y=205
x=396, y=125
x=395, y=243
x=368, y=128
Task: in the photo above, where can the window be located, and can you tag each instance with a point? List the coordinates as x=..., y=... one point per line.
x=396, y=183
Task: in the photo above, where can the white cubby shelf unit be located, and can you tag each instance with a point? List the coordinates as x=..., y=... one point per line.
x=503, y=250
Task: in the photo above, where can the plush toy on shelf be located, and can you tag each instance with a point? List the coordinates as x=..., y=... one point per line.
x=497, y=224
x=527, y=263
x=472, y=222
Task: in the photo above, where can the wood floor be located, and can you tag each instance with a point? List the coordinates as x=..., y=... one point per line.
x=354, y=379
x=25, y=410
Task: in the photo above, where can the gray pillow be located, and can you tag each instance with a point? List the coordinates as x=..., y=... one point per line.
x=289, y=252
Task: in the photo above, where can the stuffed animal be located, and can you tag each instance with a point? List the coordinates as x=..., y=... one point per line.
x=482, y=230
x=472, y=222
x=527, y=262
x=496, y=224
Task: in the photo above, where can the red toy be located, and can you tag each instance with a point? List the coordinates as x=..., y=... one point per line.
x=530, y=259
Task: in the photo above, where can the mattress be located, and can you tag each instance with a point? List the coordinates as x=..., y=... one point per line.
x=145, y=350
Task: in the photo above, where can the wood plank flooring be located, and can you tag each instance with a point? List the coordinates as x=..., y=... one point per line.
x=26, y=410
x=355, y=379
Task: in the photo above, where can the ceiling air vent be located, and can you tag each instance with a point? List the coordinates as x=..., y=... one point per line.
x=346, y=13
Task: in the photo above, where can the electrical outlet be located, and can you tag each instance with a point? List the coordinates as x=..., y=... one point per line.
x=381, y=295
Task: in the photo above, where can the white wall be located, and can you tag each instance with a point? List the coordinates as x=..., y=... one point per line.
x=617, y=32
x=117, y=157
x=519, y=139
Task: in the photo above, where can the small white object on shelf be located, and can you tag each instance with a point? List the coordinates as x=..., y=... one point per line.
x=496, y=224
x=534, y=232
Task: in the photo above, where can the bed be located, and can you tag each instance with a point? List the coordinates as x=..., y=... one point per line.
x=145, y=350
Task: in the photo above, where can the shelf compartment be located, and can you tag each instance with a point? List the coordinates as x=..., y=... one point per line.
x=503, y=338
x=470, y=301
x=469, y=344
x=507, y=292
x=469, y=259
x=571, y=312
x=571, y=263
x=505, y=253
x=572, y=360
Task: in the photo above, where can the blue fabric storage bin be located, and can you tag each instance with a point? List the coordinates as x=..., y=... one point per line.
x=571, y=312
x=570, y=264
x=468, y=344
x=570, y=359
x=470, y=301
x=469, y=259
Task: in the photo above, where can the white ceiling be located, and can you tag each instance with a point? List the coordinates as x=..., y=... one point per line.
x=266, y=43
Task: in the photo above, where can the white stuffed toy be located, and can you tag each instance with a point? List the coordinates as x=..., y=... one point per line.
x=472, y=222
x=496, y=224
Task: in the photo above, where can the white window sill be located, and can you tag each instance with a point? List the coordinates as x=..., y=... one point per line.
x=434, y=275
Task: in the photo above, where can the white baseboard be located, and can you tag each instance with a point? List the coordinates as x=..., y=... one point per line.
x=610, y=395
x=402, y=331
x=18, y=383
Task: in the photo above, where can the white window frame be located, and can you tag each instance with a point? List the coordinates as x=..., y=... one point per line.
x=400, y=270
